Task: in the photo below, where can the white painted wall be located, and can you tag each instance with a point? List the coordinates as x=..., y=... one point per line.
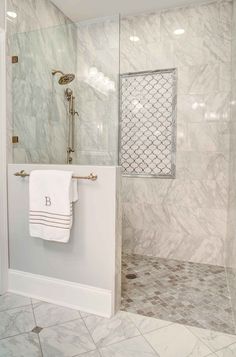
x=3, y=181
x=88, y=265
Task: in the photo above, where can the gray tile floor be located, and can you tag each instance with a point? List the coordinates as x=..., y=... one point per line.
x=32, y=328
x=183, y=292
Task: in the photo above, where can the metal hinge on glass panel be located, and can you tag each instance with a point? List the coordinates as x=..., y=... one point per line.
x=15, y=139
x=148, y=123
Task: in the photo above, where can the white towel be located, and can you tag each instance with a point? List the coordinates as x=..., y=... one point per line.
x=51, y=195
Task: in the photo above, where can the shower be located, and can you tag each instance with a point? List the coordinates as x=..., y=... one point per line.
x=65, y=78
x=69, y=95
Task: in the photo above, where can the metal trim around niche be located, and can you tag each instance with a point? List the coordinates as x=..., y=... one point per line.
x=172, y=174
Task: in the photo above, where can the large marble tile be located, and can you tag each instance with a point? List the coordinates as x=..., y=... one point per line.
x=26, y=345
x=158, y=221
x=214, y=340
x=133, y=347
x=146, y=324
x=176, y=340
x=49, y=314
x=67, y=340
x=107, y=331
x=229, y=351
x=91, y=354
x=202, y=79
x=10, y=301
x=16, y=321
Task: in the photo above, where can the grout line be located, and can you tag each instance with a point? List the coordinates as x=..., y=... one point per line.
x=18, y=334
x=231, y=344
x=16, y=307
x=60, y=323
x=88, y=330
x=199, y=338
x=148, y=317
x=113, y=343
x=40, y=346
x=151, y=346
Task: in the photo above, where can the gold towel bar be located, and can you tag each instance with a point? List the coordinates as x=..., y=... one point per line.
x=91, y=177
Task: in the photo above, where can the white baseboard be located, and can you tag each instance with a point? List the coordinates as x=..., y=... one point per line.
x=77, y=296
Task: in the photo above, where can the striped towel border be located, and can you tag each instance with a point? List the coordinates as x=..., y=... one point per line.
x=49, y=219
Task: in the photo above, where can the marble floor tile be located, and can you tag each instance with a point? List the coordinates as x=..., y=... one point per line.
x=25, y=345
x=176, y=341
x=125, y=335
x=66, y=340
x=95, y=353
x=229, y=351
x=49, y=314
x=133, y=347
x=107, y=331
x=10, y=301
x=181, y=292
x=84, y=314
x=16, y=321
x=146, y=324
x=214, y=340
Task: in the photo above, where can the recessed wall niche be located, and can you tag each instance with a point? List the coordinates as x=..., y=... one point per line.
x=148, y=123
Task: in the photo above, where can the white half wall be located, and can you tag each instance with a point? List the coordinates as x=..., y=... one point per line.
x=60, y=292
x=82, y=273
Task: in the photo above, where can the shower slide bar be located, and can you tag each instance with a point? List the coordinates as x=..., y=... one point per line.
x=91, y=177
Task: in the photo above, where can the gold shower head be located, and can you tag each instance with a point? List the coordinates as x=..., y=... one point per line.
x=64, y=78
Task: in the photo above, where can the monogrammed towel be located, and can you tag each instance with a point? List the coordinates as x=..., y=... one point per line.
x=51, y=197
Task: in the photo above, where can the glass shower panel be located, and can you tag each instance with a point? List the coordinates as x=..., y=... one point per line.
x=98, y=91
x=40, y=108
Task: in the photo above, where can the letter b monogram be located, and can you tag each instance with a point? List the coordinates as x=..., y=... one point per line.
x=48, y=201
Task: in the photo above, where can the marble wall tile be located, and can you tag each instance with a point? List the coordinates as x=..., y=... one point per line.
x=230, y=245
x=186, y=218
x=175, y=232
x=34, y=15
x=202, y=79
x=203, y=165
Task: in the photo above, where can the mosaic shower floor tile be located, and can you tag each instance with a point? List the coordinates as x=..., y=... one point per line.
x=182, y=292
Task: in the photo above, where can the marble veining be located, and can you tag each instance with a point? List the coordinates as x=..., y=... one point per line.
x=185, y=218
x=231, y=242
x=124, y=335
